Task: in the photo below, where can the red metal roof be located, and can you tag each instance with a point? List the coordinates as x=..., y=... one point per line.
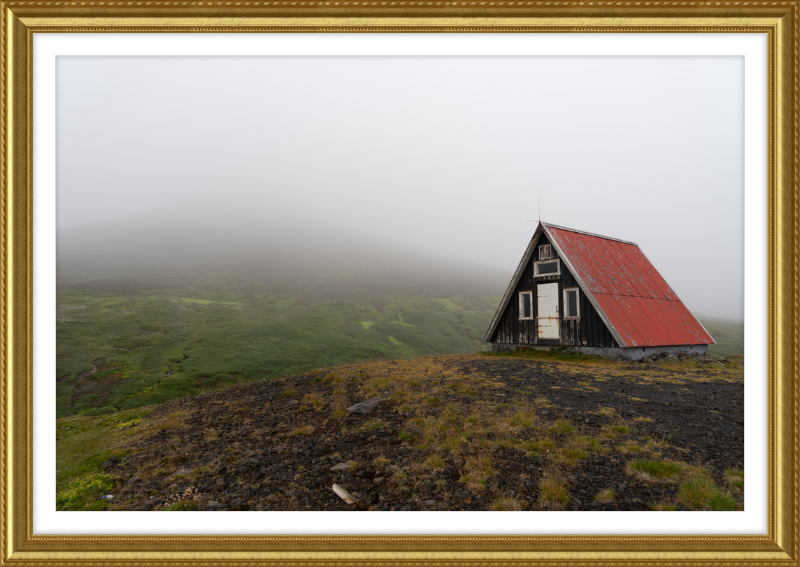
x=634, y=298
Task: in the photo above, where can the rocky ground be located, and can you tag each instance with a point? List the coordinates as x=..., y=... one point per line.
x=452, y=433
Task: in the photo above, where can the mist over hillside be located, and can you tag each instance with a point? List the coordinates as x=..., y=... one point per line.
x=259, y=253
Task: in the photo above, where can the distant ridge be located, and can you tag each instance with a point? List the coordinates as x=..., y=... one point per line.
x=257, y=255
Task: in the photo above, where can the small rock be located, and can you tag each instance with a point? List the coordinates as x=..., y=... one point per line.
x=365, y=406
x=107, y=465
x=391, y=469
x=343, y=494
x=133, y=480
x=378, y=481
x=293, y=403
x=666, y=404
x=429, y=502
x=341, y=467
x=524, y=503
x=179, y=472
x=114, y=459
x=213, y=504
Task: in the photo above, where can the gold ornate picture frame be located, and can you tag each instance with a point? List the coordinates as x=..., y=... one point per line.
x=21, y=19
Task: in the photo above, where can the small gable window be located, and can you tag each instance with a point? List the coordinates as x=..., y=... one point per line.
x=571, y=308
x=544, y=252
x=526, y=305
x=547, y=268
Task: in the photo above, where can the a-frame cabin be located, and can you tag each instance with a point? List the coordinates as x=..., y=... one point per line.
x=598, y=294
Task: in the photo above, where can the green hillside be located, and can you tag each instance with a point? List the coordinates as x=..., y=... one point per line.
x=728, y=334
x=117, y=351
x=126, y=350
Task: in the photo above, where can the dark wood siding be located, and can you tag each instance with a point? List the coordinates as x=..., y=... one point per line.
x=588, y=330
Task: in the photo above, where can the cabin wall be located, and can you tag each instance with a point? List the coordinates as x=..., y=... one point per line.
x=588, y=330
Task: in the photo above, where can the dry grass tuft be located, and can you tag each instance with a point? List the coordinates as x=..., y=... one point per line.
x=478, y=470
x=604, y=496
x=506, y=504
x=553, y=490
x=381, y=461
x=338, y=411
x=305, y=430
x=434, y=462
x=562, y=426
x=312, y=401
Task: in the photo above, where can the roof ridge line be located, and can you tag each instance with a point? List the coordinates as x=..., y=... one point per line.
x=550, y=225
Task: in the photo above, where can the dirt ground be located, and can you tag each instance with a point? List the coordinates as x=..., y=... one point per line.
x=451, y=433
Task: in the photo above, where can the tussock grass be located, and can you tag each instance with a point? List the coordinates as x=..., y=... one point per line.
x=312, y=401
x=539, y=445
x=338, y=410
x=477, y=471
x=605, y=496
x=735, y=478
x=630, y=447
x=434, y=462
x=655, y=470
x=381, y=461
x=553, y=490
x=562, y=426
x=700, y=492
x=506, y=504
x=305, y=430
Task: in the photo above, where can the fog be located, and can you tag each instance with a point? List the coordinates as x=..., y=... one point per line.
x=392, y=174
x=261, y=254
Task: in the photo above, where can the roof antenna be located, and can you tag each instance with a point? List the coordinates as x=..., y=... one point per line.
x=540, y=207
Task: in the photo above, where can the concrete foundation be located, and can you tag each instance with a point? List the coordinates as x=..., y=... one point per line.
x=632, y=353
x=635, y=353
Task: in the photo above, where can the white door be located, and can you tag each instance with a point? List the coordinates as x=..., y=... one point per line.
x=547, y=319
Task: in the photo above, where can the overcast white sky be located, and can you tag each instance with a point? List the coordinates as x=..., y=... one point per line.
x=441, y=154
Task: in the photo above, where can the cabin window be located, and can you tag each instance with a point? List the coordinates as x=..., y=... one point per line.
x=547, y=268
x=571, y=307
x=526, y=305
x=544, y=252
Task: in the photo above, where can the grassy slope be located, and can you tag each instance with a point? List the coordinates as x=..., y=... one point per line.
x=729, y=336
x=212, y=339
